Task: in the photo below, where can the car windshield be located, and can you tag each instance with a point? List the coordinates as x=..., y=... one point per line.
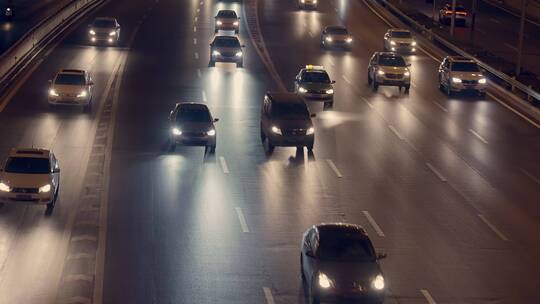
x=227, y=14
x=465, y=67
x=394, y=61
x=346, y=248
x=293, y=111
x=193, y=115
x=28, y=165
x=338, y=31
x=396, y=34
x=104, y=23
x=317, y=77
x=229, y=42
x=70, y=79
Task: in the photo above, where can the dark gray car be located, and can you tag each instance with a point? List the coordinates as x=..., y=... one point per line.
x=192, y=125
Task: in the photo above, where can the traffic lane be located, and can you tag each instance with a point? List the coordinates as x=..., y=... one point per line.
x=193, y=239
x=356, y=76
x=34, y=246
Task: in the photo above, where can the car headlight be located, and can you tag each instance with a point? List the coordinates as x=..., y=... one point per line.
x=378, y=282
x=176, y=131
x=302, y=90
x=219, y=22
x=4, y=187
x=330, y=91
x=310, y=131
x=407, y=73
x=113, y=33
x=482, y=81
x=92, y=32
x=276, y=130
x=82, y=94
x=392, y=42
x=302, y=1
x=211, y=132
x=235, y=23
x=45, y=189
x=348, y=40
x=52, y=92
x=380, y=72
x=456, y=80
x=239, y=54
x=413, y=43
x=314, y=1
x=329, y=39
x=324, y=281
x=216, y=53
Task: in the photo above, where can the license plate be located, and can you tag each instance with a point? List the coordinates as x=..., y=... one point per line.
x=24, y=196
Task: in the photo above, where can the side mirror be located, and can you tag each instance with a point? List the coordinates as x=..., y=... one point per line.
x=381, y=255
x=56, y=170
x=216, y=119
x=312, y=115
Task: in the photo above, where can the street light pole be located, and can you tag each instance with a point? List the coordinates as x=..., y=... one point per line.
x=473, y=17
x=521, y=32
x=453, y=22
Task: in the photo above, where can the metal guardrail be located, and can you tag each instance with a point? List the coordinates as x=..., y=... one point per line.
x=19, y=51
x=429, y=34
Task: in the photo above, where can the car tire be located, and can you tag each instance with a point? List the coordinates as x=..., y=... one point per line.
x=312, y=299
x=369, y=80
x=211, y=149
x=268, y=146
x=482, y=94
x=212, y=63
x=216, y=31
x=449, y=89
x=172, y=147
x=441, y=86
x=407, y=88
x=50, y=206
x=310, y=148
x=374, y=85
x=328, y=105
x=263, y=136
x=236, y=32
x=240, y=64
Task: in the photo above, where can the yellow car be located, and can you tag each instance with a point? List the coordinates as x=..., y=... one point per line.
x=389, y=69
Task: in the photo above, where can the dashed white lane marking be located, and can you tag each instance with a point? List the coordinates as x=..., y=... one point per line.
x=334, y=168
x=439, y=175
x=195, y=41
x=396, y=132
x=494, y=20
x=510, y=46
x=194, y=29
x=481, y=31
x=199, y=74
x=374, y=224
x=268, y=295
x=311, y=34
x=242, y=219
x=428, y=297
x=196, y=55
x=198, y=10
x=478, y=136
x=492, y=227
x=203, y=96
x=201, y=3
x=368, y=102
x=331, y=62
x=347, y=80
x=223, y=164
x=440, y=106
x=534, y=178
x=196, y=19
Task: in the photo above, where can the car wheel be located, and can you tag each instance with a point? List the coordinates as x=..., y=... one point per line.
x=310, y=148
x=369, y=80
x=50, y=206
x=407, y=88
x=240, y=64
x=215, y=31
x=212, y=63
x=328, y=105
x=172, y=147
x=268, y=146
x=482, y=94
x=236, y=32
x=263, y=136
x=211, y=149
x=375, y=85
x=448, y=89
x=441, y=86
x=312, y=299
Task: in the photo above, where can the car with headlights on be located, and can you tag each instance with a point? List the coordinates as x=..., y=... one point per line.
x=313, y=84
x=399, y=40
x=227, y=20
x=191, y=124
x=388, y=69
x=307, y=4
x=339, y=264
x=226, y=49
x=461, y=74
x=286, y=122
x=336, y=36
x=104, y=30
x=71, y=87
x=446, y=12
x=30, y=176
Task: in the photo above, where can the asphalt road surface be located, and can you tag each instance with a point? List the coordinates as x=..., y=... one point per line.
x=447, y=187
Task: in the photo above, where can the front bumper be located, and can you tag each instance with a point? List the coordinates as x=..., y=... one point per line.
x=26, y=198
x=222, y=58
x=337, y=43
x=462, y=87
x=69, y=100
x=308, y=4
x=317, y=97
x=391, y=81
x=292, y=140
x=103, y=38
x=227, y=27
x=402, y=48
x=194, y=140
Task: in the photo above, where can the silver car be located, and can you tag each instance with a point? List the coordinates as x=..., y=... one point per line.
x=71, y=87
x=226, y=49
x=307, y=4
x=460, y=74
x=192, y=125
x=399, y=40
x=227, y=20
x=104, y=30
x=336, y=36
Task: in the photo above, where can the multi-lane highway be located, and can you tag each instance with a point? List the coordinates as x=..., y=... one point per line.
x=448, y=187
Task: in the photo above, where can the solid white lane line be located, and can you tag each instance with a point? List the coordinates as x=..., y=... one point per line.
x=195, y=41
x=199, y=74
x=242, y=219
x=395, y=132
x=347, y=80
x=194, y=29
x=196, y=55
x=440, y=106
x=510, y=46
x=203, y=96
x=374, y=224
x=223, y=164
x=534, y=178
x=334, y=168
x=478, y=136
x=368, y=102
x=439, y=175
x=428, y=297
x=492, y=227
x=268, y=295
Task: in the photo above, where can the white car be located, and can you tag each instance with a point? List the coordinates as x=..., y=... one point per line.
x=71, y=87
x=30, y=176
x=104, y=29
x=461, y=74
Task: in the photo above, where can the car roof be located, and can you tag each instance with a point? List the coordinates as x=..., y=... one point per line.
x=460, y=59
x=388, y=54
x=192, y=105
x=399, y=30
x=226, y=11
x=331, y=229
x=72, y=71
x=281, y=98
x=105, y=19
x=30, y=153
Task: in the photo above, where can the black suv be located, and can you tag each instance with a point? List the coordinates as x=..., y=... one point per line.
x=286, y=122
x=226, y=49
